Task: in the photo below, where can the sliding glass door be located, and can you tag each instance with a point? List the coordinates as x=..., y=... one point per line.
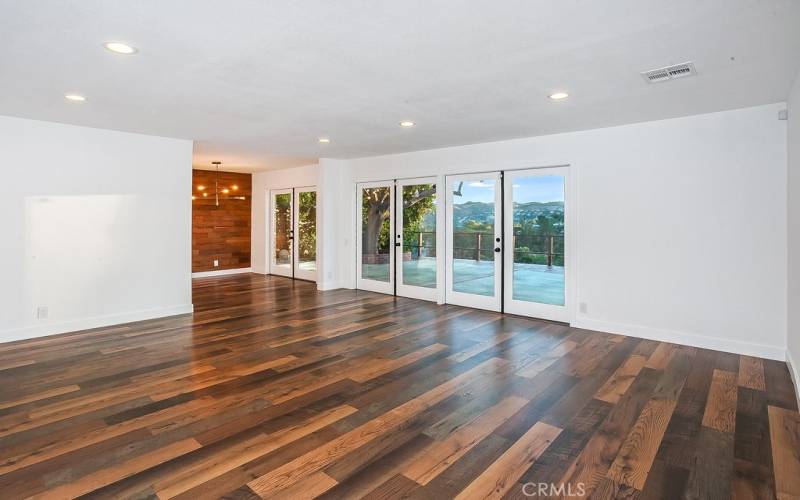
x=282, y=234
x=376, y=239
x=415, y=238
x=536, y=260
x=473, y=260
x=305, y=229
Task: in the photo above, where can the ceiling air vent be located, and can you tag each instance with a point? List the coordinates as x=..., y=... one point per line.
x=669, y=73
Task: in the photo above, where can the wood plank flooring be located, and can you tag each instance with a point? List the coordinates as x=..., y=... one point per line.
x=275, y=390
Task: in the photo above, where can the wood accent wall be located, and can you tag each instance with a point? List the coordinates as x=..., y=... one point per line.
x=220, y=232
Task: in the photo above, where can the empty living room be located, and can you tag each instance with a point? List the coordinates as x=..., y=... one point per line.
x=424, y=249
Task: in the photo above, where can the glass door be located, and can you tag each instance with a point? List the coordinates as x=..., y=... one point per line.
x=473, y=258
x=282, y=234
x=375, y=269
x=305, y=229
x=415, y=238
x=536, y=242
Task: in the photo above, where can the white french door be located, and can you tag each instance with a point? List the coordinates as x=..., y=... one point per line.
x=474, y=248
x=293, y=234
x=536, y=260
x=376, y=237
x=282, y=232
x=415, y=238
x=305, y=233
x=506, y=240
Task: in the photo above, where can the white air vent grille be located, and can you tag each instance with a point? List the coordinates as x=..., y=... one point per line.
x=669, y=73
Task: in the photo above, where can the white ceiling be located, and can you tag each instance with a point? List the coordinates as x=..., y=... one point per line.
x=256, y=82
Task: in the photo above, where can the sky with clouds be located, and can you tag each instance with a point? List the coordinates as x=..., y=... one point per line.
x=526, y=189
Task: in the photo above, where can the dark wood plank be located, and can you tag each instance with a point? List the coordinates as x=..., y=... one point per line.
x=274, y=388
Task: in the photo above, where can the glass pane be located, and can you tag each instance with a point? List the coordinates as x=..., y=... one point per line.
x=539, y=239
x=419, y=235
x=375, y=212
x=473, y=236
x=307, y=227
x=283, y=228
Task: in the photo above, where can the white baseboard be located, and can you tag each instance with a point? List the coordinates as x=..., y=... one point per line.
x=794, y=374
x=30, y=332
x=690, y=339
x=332, y=285
x=222, y=272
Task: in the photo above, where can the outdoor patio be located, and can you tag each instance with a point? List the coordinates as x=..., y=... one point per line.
x=532, y=282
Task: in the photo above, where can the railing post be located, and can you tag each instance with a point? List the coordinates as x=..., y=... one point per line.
x=478, y=247
x=513, y=249
x=550, y=249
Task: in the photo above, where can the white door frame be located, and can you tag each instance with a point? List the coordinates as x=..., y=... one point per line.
x=274, y=268
x=365, y=283
x=411, y=291
x=298, y=272
x=492, y=303
x=521, y=307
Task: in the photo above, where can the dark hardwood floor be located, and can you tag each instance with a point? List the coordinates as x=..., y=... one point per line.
x=275, y=389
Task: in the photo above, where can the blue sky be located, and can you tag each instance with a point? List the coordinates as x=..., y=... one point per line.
x=526, y=189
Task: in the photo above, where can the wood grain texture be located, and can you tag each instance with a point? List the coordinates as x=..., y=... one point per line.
x=720, y=412
x=636, y=456
x=751, y=373
x=274, y=389
x=220, y=232
x=442, y=454
x=784, y=429
x=502, y=475
x=622, y=379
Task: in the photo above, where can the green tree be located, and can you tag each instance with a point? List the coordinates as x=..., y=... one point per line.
x=417, y=203
x=375, y=212
x=307, y=224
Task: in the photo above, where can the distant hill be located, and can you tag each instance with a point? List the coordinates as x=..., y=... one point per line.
x=484, y=212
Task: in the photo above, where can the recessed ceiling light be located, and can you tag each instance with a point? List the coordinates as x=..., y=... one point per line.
x=407, y=124
x=74, y=97
x=324, y=140
x=120, y=48
x=558, y=96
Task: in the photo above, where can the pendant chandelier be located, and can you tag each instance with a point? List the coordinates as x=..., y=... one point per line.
x=216, y=182
x=230, y=192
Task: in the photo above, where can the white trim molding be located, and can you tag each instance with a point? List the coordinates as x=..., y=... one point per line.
x=790, y=363
x=689, y=339
x=77, y=325
x=222, y=272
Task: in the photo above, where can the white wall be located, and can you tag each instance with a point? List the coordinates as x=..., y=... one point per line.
x=262, y=182
x=681, y=223
x=337, y=250
x=793, y=143
x=96, y=227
